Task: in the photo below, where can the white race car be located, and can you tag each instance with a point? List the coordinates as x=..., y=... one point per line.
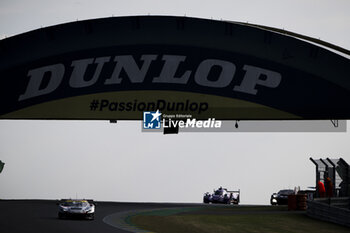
x=222, y=196
x=76, y=208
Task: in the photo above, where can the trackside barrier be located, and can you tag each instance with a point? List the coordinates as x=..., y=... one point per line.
x=297, y=201
x=336, y=210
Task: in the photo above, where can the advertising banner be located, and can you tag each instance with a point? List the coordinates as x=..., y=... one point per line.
x=122, y=81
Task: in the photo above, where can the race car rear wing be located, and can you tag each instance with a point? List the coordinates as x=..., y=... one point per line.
x=234, y=191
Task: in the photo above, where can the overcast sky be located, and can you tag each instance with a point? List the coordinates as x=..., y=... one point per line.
x=103, y=161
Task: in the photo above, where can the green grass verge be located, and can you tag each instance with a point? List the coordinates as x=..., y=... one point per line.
x=246, y=221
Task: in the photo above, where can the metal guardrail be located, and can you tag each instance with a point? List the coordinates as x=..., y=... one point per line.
x=336, y=210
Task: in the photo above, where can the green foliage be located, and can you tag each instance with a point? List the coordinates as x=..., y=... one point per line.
x=1, y=166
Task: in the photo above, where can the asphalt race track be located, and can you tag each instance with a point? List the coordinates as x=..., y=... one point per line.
x=24, y=216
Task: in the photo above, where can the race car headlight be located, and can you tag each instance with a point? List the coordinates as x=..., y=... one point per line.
x=89, y=209
x=63, y=208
